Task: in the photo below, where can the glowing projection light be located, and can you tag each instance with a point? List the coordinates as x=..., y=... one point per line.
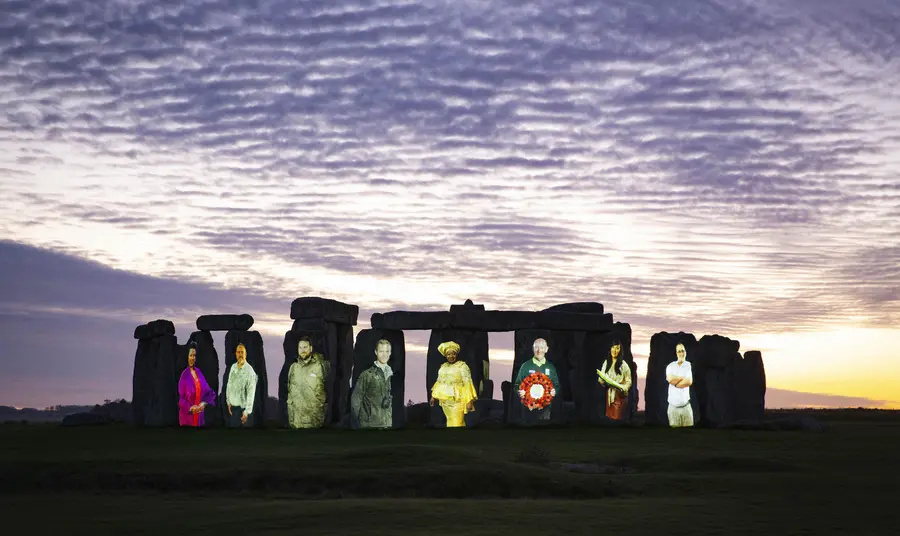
x=194, y=392
x=538, y=391
x=454, y=390
x=615, y=377
x=537, y=383
x=371, y=404
x=307, y=398
x=680, y=377
x=240, y=390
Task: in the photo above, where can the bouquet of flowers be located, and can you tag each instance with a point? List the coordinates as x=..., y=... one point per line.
x=537, y=387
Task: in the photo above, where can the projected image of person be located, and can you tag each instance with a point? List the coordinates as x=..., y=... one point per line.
x=371, y=405
x=680, y=378
x=306, y=387
x=536, y=382
x=615, y=374
x=454, y=389
x=194, y=393
x=241, y=391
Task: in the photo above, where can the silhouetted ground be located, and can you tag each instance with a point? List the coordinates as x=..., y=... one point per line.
x=115, y=479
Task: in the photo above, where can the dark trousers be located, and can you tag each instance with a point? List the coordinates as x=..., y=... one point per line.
x=234, y=420
x=533, y=417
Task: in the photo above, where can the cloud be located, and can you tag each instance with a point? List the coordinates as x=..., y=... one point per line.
x=727, y=166
x=36, y=279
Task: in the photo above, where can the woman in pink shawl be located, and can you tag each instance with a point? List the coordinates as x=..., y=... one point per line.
x=194, y=394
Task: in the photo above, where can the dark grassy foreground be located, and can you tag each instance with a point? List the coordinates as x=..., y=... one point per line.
x=118, y=480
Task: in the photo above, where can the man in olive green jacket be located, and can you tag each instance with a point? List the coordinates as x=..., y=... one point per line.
x=371, y=405
x=306, y=387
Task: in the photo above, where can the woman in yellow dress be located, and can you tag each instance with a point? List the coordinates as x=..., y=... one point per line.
x=454, y=389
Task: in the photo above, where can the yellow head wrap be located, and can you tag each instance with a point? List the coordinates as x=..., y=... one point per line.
x=444, y=347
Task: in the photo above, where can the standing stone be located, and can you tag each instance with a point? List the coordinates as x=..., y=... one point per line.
x=343, y=377
x=505, y=388
x=154, y=381
x=559, y=352
x=364, y=358
x=487, y=387
x=167, y=380
x=326, y=309
x=324, y=338
x=153, y=329
x=224, y=322
x=714, y=376
x=750, y=387
x=578, y=307
x=656, y=390
x=141, y=386
x=584, y=351
x=473, y=350
x=256, y=357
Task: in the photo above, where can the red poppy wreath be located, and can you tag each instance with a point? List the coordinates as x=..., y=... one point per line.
x=537, y=387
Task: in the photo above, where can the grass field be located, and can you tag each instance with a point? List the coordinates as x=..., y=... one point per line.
x=118, y=480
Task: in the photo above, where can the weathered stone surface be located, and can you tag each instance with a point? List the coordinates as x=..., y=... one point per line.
x=364, y=358
x=401, y=320
x=155, y=328
x=560, y=353
x=208, y=363
x=487, y=389
x=473, y=350
x=224, y=322
x=330, y=310
x=324, y=338
x=472, y=319
x=656, y=391
x=750, y=388
x=256, y=357
x=467, y=306
x=344, y=376
x=144, y=365
x=167, y=380
x=578, y=307
x=718, y=351
x=505, y=388
x=714, y=376
x=491, y=411
x=154, y=382
x=302, y=326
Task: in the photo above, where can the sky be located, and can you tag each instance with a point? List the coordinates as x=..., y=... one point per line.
x=726, y=167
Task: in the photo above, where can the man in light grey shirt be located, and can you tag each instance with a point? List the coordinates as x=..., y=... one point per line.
x=241, y=391
x=680, y=377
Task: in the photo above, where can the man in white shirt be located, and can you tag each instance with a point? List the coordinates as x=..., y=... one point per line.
x=240, y=393
x=680, y=378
